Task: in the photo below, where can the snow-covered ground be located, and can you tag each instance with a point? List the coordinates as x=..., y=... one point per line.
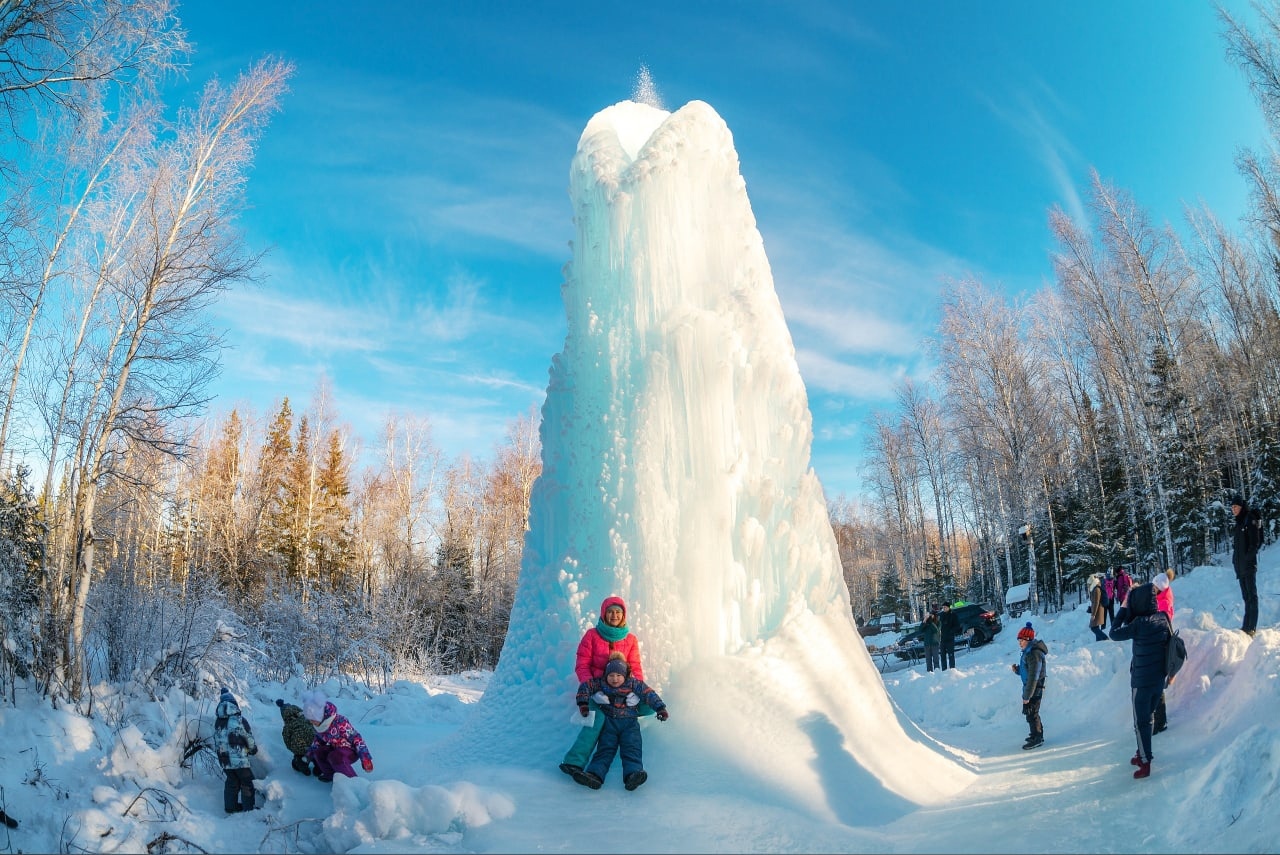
x=114, y=783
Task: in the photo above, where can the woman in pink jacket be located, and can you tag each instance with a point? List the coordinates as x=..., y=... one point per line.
x=1164, y=592
x=1164, y=603
x=608, y=635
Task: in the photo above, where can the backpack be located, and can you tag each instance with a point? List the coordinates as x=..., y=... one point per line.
x=1255, y=528
x=1175, y=654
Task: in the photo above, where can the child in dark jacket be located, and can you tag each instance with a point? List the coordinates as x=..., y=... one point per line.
x=234, y=742
x=617, y=694
x=298, y=735
x=1149, y=630
x=336, y=744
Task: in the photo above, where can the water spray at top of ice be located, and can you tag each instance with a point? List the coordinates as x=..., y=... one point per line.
x=645, y=92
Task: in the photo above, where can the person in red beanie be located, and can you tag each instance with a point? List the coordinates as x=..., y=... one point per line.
x=1031, y=668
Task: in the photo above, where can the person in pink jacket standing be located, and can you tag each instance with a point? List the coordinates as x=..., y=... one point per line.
x=1123, y=582
x=1164, y=603
x=610, y=634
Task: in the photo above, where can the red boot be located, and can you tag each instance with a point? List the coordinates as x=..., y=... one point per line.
x=1136, y=759
x=1143, y=770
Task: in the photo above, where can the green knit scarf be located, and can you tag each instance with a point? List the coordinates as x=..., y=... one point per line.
x=611, y=633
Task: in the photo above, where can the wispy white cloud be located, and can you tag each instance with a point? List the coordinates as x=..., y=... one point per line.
x=438, y=162
x=530, y=222
x=860, y=305
x=860, y=381
x=1028, y=113
x=306, y=324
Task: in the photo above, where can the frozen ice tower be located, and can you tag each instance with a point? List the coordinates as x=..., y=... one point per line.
x=676, y=445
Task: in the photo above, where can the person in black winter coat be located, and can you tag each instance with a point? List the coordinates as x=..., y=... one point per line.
x=949, y=625
x=1149, y=629
x=1246, y=539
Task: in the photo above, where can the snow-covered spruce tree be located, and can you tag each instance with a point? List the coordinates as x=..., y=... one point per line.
x=1181, y=463
x=938, y=584
x=891, y=599
x=452, y=594
x=22, y=540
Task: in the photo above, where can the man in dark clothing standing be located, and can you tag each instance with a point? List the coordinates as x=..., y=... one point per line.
x=950, y=626
x=1246, y=539
x=1149, y=629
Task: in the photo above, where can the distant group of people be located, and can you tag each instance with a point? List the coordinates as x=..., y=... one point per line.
x=1145, y=617
x=938, y=635
x=1105, y=590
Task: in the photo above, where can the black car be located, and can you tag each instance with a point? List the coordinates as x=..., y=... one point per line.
x=983, y=621
x=978, y=625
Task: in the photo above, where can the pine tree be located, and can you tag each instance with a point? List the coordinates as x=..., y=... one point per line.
x=891, y=599
x=332, y=541
x=297, y=520
x=452, y=604
x=22, y=539
x=271, y=520
x=222, y=537
x=939, y=584
x=1096, y=521
x=1180, y=464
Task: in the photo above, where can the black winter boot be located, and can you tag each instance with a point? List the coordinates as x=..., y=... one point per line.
x=588, y=779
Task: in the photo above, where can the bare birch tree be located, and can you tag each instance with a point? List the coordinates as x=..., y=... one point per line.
x=161, y=354
x=62, y=51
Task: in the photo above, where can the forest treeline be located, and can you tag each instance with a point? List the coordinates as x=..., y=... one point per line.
x=1103, y=421
x=147, y=541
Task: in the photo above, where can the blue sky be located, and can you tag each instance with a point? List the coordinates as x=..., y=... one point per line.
x=413, y=194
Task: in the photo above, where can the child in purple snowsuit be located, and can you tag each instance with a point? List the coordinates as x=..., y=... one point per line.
x=337, y=743
x=617, y=695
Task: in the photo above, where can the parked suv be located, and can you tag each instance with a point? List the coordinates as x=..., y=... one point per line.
x=979, y=623
x=984, y=622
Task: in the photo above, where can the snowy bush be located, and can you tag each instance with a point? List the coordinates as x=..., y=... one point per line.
x=166, y=635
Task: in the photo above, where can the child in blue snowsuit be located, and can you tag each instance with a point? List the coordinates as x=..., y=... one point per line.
x=617, y=694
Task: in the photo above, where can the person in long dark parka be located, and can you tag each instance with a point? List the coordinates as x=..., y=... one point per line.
x=1246, y=540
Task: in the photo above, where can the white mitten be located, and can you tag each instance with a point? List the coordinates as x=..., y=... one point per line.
x=601, y=698
x=633, y=700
